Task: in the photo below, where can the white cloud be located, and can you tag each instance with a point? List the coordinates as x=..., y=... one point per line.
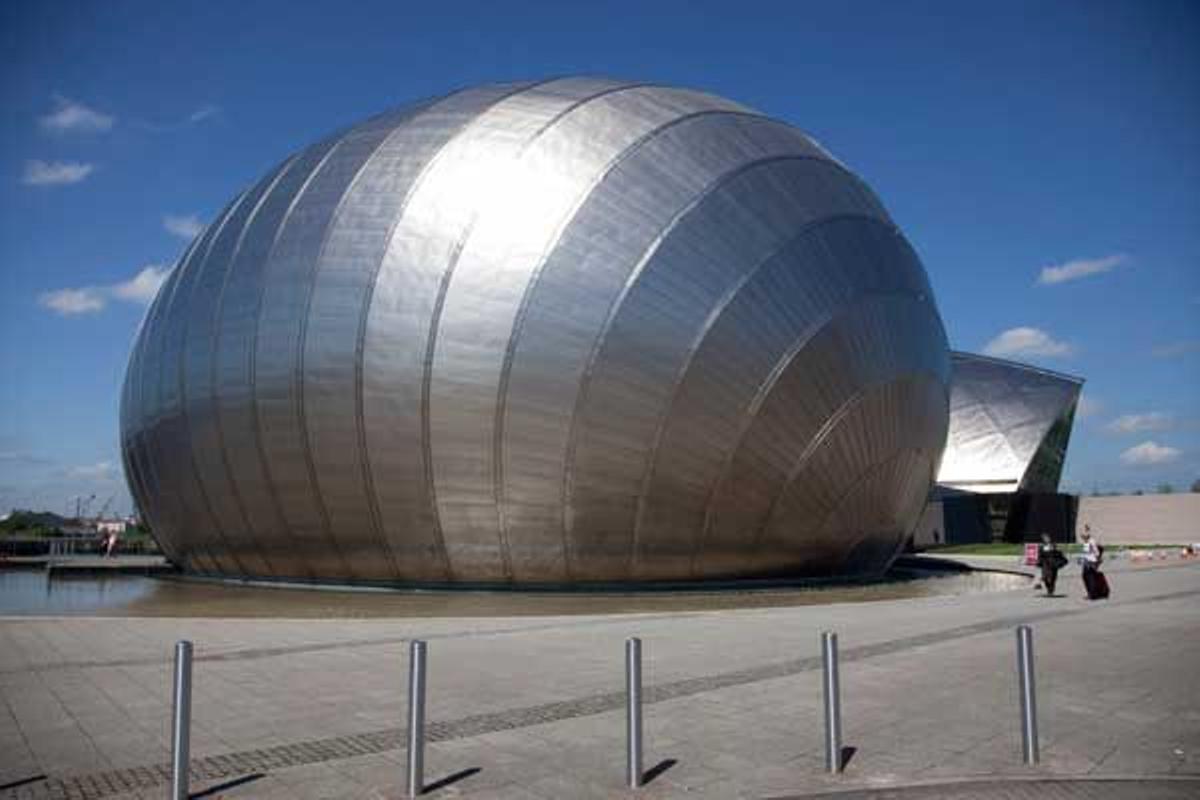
x=203, y=113
x=194, y=118
x=1079, y=268
x=73, y=301
x=55, y=173
x=101, y=471
x=69, y=115
x=1148, y=454
x=1026, y=342
x=1176, y=349
x=141, y=288
x=1087, y=407
x=185, y=226
x=1140, y=423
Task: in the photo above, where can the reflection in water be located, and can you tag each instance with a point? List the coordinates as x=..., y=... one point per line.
x=26, y=592
x=33, y=592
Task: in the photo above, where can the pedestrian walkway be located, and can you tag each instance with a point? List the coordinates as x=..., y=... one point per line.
x=532, y=707
x=1038, y=789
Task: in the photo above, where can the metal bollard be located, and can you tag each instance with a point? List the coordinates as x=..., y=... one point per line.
x=633, y=712
x=181, y=721
x=1029, y=729
x=833, y=702
x=416, y=718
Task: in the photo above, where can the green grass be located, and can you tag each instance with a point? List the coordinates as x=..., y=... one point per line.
x=983, y=549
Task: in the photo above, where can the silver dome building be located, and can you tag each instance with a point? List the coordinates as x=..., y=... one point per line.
x=565, y=332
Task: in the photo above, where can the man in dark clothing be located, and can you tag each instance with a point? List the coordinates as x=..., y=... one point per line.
x=1051, y=560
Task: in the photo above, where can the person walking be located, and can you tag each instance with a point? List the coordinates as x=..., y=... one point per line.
x=1051, y=560
x=1094, y=582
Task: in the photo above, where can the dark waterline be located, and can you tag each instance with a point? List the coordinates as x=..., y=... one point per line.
x=34, y=593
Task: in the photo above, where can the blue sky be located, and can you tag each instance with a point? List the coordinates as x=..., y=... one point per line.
x=1043, y=158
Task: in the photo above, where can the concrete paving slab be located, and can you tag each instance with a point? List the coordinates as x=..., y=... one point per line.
x=535, y=703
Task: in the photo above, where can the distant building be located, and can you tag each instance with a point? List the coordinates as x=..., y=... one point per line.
x=117, y=526
x=1010, y=424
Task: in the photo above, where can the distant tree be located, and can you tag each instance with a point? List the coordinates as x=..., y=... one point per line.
x=1196, y=486
x=1165, y=488
x=1138, y=492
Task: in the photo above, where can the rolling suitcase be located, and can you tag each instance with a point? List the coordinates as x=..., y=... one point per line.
x=1099, y=586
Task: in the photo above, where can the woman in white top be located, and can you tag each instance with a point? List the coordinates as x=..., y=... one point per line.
x=1094, y=581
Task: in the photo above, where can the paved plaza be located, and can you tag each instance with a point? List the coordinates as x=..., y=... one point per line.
x=531, y=707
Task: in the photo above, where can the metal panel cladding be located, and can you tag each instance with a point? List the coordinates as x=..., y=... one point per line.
x=1009, y=425
x=570, y=331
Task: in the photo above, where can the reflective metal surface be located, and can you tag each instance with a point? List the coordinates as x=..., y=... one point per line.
x=1025, y=671
x=633, y=713
x=557, y=332
x=832, y=695
x=415, y=741
x=181, y=721
x=1009, y=426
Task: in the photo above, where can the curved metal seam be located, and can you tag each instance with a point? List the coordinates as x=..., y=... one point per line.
x=535, y=279
x=859, y=479
x=198, y=545
x=256, y=420
x=810, y=450
x=218, y=330
x=677, y=382
x=126, y=414
x=857, y=398
x=364, y=316
x=440, y=300
x=426, y=364
x=181, y=377
x=136, y=478
x=136, y=425
x=817, y=325
x=815, y=443
x=141, y=440
x=585, y=380
x=301, y=342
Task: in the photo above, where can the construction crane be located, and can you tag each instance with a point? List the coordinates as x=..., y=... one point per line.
x=104, y=508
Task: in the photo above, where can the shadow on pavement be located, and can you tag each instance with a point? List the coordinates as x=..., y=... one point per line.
x=221, y=787
x=21, y=782
x=658, y=769
x=449, y=779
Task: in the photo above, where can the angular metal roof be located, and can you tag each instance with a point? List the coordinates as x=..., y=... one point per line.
x=1009, y=425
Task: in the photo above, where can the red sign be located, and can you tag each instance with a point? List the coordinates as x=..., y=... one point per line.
x=1031, y=555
